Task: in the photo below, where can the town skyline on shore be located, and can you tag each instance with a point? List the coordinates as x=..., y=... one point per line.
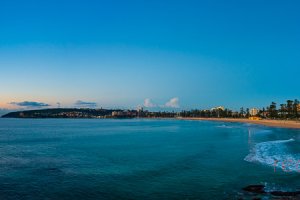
x=290, y=109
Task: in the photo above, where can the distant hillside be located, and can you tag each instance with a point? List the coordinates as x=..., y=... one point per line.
x=72, y=113
x=4, y=111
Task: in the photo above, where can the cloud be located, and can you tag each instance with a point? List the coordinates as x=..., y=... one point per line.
x=85, y=104
x=30, y=104
x=172, y=103
x=149, y=104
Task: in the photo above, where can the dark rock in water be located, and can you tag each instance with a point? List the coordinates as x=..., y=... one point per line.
x=255, y=189
x=260, y=189
x=52, y=169
x=281, y=193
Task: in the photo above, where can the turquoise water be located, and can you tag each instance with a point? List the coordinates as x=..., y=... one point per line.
x=143, y=159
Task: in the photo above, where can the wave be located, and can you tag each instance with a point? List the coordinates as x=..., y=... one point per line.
x=224, y=126
x=10, y=160
x=263, y=131
x=275, y=154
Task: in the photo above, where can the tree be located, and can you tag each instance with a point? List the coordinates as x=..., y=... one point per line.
x=282, y=110
x=289, y=108
x=262, y=113
x=242, y=112
x=295, y=108
x=272, y=110
x=247, y=113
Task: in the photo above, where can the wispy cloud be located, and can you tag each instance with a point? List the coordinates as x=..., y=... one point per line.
x=85, y=104
x=149, y=104
x=30, y=104
x=172, y=103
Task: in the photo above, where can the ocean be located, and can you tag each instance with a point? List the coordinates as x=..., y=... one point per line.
x=144, y=159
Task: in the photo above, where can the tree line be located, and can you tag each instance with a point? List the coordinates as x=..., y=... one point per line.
x=288, y=110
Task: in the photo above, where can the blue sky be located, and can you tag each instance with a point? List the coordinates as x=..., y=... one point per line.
x=126, y=53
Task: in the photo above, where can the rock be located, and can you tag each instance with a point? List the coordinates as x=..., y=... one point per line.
x=281, y=193
x=255, y=189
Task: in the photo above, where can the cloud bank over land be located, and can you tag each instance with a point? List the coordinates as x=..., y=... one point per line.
x=149, y=104
x=85, y=104
x=172, y=103
x=30, y=104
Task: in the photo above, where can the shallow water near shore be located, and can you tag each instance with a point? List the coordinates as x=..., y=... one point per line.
x=143, y=159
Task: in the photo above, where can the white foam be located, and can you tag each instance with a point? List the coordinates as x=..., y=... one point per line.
x=275, y=154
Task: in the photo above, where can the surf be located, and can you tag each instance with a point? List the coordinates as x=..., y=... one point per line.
x=275, y=154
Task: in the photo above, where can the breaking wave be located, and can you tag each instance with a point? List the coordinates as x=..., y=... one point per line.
x=275, y=154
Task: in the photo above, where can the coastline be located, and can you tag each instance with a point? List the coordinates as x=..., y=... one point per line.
x=266, y=122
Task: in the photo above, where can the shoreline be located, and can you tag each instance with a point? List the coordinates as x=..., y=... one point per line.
x=266, y=122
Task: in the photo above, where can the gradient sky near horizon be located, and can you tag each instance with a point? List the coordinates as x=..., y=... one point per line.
x=117, y=53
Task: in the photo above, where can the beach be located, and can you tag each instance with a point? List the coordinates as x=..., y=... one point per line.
x=266, y=122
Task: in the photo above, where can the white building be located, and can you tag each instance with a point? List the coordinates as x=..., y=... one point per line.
x=254, y=111
x=218, y=108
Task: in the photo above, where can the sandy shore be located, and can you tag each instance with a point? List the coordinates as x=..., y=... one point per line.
x=274, y=123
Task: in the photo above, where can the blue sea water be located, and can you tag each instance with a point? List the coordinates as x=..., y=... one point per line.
x=143, y=159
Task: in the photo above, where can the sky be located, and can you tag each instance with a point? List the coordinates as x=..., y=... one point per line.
x=160, y=54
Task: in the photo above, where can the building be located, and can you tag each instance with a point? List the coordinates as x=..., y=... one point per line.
x=140, y=109
x=117, y=113
x=254, y=118
x=218, y=108
x=253, y=111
